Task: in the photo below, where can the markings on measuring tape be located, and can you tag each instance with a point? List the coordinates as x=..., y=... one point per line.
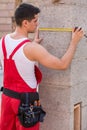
x=56, y=29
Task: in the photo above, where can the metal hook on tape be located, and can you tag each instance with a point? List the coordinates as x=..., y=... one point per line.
x=58, y=30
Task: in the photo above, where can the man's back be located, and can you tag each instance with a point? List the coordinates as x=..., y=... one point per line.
x=24, y=66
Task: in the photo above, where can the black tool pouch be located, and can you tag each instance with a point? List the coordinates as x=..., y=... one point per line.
x=28, y=113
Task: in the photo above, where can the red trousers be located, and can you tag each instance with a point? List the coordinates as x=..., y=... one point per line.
x=9, y=119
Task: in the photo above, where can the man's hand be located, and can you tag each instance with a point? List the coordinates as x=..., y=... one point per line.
x=77, y=34
x=36, y=38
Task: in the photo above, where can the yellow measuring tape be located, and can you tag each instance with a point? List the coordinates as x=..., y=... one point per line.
x=56, y=29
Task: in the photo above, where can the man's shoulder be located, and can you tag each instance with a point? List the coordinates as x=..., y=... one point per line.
x=33, y=47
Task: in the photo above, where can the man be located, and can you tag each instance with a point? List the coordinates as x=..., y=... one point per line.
x=19, y=61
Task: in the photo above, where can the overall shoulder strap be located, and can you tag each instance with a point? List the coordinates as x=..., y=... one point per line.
x=4, y=48
x=17, y=47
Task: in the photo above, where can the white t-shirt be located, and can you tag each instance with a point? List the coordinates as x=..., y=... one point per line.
x=24, y=66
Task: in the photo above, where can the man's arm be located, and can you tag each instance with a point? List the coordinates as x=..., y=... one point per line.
x=36, y=52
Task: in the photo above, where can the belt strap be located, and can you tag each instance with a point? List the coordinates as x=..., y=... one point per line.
x=11, y=93
x=30, y=96
x=1, y=89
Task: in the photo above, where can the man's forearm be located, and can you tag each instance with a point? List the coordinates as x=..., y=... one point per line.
x=68, y=56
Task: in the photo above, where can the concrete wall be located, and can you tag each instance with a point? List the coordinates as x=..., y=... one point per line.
x=59, y=90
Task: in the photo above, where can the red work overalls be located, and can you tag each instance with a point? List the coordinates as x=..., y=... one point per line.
x=13, y=81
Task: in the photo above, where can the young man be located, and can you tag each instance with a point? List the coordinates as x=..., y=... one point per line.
x=18, y=60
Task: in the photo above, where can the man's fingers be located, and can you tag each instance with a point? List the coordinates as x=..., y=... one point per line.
x=37, y=33
x=77, y=29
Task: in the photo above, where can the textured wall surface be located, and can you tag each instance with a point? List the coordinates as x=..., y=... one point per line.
x=59, y=90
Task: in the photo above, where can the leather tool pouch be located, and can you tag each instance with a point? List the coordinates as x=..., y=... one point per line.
x=28, y=113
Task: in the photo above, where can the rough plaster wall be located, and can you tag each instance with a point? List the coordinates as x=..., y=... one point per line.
x=79, y=65
x=60, y=90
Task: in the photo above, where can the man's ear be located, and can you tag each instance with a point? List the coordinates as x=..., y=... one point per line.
x=25, y=23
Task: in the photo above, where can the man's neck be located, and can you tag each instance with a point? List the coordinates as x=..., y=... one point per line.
x=19, y=33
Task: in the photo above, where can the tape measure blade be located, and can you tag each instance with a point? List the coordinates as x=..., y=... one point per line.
x=56, y=29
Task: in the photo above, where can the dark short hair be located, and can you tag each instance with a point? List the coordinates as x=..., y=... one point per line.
x=25, y=12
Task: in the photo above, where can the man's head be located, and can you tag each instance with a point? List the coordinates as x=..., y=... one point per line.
x=26, y=13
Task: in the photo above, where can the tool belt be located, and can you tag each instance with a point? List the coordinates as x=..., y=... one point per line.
x=30, y=110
